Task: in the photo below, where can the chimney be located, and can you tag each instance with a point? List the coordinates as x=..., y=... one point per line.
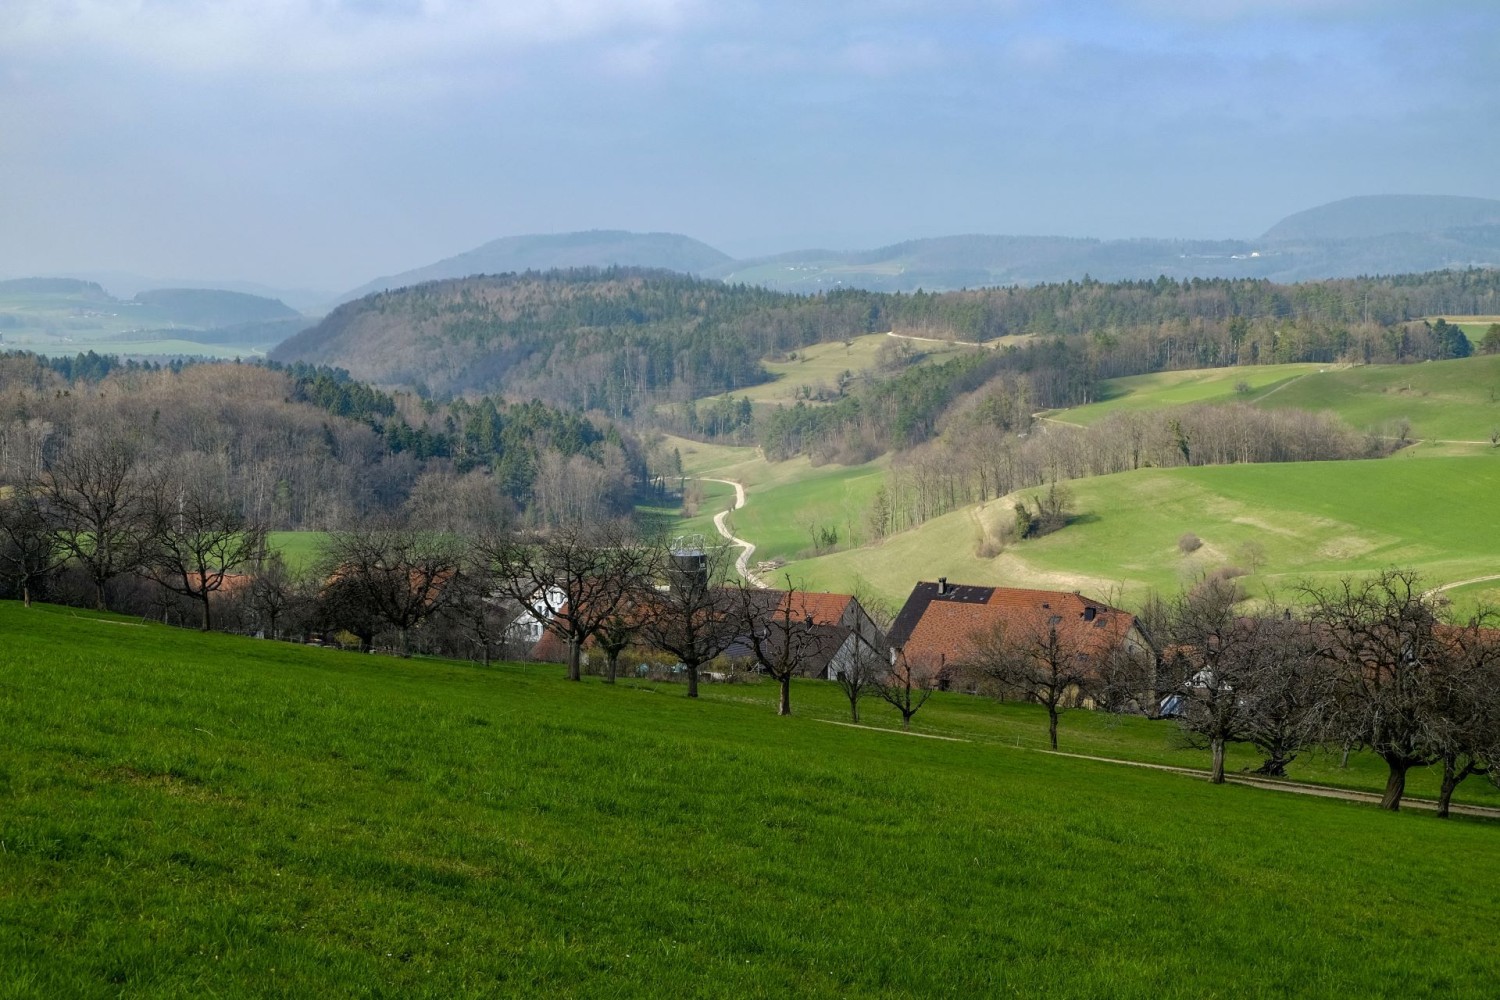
x=942, y=586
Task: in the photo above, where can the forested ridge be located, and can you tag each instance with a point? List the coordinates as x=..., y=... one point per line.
x=622, y=340
x=310, y=447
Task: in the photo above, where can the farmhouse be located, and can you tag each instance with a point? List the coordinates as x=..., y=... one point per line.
x=844, y=630
x=941, y=622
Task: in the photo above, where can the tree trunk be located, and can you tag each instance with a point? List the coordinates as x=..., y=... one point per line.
x=26, y=595
x=207, y=615
x=99, y=604
x=1217, y=776
x=785, y=708
x=575, y=655
x=614, y=668
x=1395, y=784
x=1344, y=760
x=854, y=710
x=692, y=669
x=906, y=719
x=1452, y=775
x=1052, y=725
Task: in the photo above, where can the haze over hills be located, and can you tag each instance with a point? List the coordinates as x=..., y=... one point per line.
x=594, y=248
x=69, y=315
x=1388, y=234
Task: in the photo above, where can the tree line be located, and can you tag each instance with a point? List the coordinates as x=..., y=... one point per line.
x=312, y=448
x=621, y=341
x=1373, y=663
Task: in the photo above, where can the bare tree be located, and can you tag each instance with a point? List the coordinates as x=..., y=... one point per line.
x=1381, y=637
x=28, y=544
x=200, y=538
x=906, y=685
x=1213, y=658
x=1044, y=662
x=273, y=594
x=1288, y=699
x=475, y=611
x=98, y=497
x=572, y=579
x=783, y=637
x=696, y=617
x=1463, y=725
x=388, y=575
x=867, y=658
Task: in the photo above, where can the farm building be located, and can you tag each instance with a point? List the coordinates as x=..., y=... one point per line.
x=941, y=623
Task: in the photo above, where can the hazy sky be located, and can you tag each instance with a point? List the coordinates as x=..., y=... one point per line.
x=325, y=142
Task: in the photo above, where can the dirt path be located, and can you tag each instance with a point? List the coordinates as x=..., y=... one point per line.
x=986, y=344
x=747, y=549
x=1282, y=785
x=1463, y=583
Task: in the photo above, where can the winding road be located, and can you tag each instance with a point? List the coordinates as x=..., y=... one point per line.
x=747, y=549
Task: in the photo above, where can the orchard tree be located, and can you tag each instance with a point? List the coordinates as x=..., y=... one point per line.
x=695, y=615
x=1382, y=638
x=98, y=495
x=572, y=578
x=200, y=537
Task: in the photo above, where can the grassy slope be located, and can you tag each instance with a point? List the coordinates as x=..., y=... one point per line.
x=1162, y=389
x=1437, y=515
x=820, y=365
x=1450, y=400
x=193, y=815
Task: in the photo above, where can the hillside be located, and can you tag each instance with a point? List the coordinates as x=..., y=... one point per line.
x=595, y=248
x=213, y=308
x=65, y=316
x=1342, y=239
x=1385, y=215
x=620, y=339
x=189, y=814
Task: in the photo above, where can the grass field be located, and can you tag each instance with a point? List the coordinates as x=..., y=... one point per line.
x=195, y=815
x=298, y=548
x=1202, y=385
x=818, y=368
x=1437, y=516
x=1447, y=400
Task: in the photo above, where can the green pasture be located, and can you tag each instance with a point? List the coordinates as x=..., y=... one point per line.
x=1158, y=390
x=190, y=815
x=1282, y=523
x=300, y=549
x=817, y=368
x=1455, y=400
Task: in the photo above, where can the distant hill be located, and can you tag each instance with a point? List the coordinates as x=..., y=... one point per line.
x=595, y=248
x=55, y=316
x=1383, y=215
x=53, y=286
x=1387, y=234
x=214, y=308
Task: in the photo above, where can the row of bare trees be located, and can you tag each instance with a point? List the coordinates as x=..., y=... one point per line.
x=977, y=459
x=1366, y=663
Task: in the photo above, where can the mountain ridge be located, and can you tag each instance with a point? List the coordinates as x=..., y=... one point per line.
x=1374, y=234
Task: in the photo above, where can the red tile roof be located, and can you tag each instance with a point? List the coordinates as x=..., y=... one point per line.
x=940, y=623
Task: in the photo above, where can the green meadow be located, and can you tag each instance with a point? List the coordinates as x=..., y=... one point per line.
x=1455, y=400
x=1159, y=390
x=1281, y=523
x=189, y=815
x=817, y=368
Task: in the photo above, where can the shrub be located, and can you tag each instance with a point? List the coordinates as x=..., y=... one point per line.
x=1188, y=543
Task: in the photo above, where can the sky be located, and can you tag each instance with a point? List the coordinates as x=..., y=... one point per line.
x=322, y=143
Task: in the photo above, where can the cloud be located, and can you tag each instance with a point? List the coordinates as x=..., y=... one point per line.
x=303, y=39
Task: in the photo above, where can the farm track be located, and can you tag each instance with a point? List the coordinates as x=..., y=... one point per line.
x=1282, y=785
x=747, y=549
